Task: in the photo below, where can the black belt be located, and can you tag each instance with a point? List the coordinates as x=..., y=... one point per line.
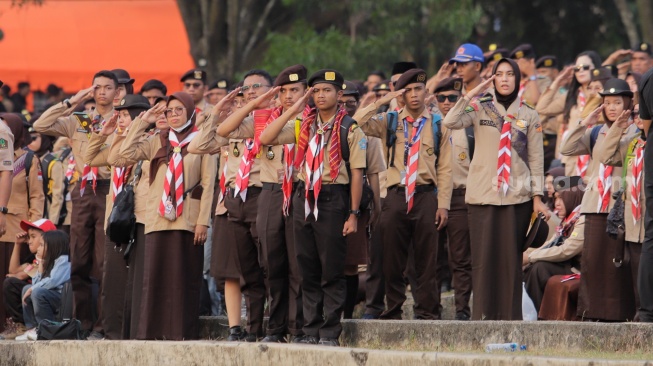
x=102, y=182
x=328, y=188
x=418, y=189
x=458, y=192
x=276, y=186
x=252, y=189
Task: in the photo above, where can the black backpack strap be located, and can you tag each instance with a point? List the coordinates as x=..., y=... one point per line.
x=64, y=154
x=594, y=135
x=436, y=124
x=392, y=118
x=28, y=166
x=471, y=141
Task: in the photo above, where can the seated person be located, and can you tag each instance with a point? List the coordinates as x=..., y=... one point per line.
x=42, y=299
x=561, y=254
x=22, y=267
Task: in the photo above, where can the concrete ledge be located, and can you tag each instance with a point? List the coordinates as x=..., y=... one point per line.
x=124, y=353
x=472, y=335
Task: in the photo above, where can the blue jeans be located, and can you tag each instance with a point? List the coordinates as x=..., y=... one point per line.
x=40, y=305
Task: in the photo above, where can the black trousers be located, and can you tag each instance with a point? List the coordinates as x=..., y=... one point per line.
x=279, y=262
x=374, y=283
x=460, y=252
x=399, y=231
x=321, y=251
x=645, y=276
x=244, y=235
x=114, y=283
x=12, y=289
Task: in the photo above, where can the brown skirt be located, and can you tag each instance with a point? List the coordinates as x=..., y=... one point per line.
x=497, y=235
x=223, y=254
x=560, y=299
x=172, y=278
x=606, y=292
x=357, y=243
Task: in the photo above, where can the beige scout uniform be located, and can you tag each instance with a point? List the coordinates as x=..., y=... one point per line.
x=6, y=148
x=614, y=151
x=22, y=207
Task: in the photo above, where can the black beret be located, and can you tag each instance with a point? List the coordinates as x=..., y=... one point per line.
x=196, y=74
x=602, y=74
x=643, y=47
x=240, y=94
x=523, y=50
x=384, y=85
x=409, y=77
x=402, y=66
x=290, y=75
x=219, y=84
x=497, y=54
x=563, y=183
x=449, y=84
x=350, y=88
x=547, y=61
x=123, y=76
x=616, y=86
x=328, y=76
x=537, y=232
x=133, y=101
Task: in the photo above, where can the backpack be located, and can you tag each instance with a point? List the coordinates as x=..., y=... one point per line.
x=594, y=135
x=47, y=163
x=28, y=166
x=367, y=195
x=436, y=126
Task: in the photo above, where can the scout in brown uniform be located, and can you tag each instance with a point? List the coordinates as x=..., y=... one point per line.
x=605, y=290
x=115, y=271
x=6, y=171
x=492, y=58
x=533, y=84
x=125, y=85
x=547, y=66
x=419, y=192
x=195, y=85
x=641, y=60
x=507, y=189
x=328, y=195
x=178, y=206
x=469, y=62
x=447, y=94
x=89, y=208
x=153, y=90
x=273, y=223
x=27, y=200
x=217, y=91
x=616, y=151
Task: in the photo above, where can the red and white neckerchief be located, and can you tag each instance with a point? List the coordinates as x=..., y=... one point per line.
x=636, y=183
x=91, y=173
x=288, y=168
x=118, y=180
x=604, y=185
x=504, y=161
x=582, y=161
x=522, y=89
x=175, y=173
x=411, y=151
x=70, y=169
x=253, y=147
x=568, y=223
x=223, y=179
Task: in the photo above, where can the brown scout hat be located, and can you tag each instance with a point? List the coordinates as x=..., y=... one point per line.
x=523, y=51
x=449, y=84
x=350, y=88
x=402, y=66
x=292, y=74
x=643, y=47
x=219, y=84
x=537, y=233
x=547, y=61
x=602, y=74
x=411, y=76
x=616, y=86
x=123, y=76
x=196, y=74
x=328, y=76
x=384, y=85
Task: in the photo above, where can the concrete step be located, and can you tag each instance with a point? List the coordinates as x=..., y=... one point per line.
x=445, y=335
x=146, y=353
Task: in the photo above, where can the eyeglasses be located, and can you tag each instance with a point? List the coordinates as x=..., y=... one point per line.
x=452, y=98
x=350, y=103
x=192, y=85
x=253, y=87
x=177, y=111
x=578, y=68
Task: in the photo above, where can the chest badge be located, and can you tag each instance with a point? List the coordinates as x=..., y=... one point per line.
x=462, y=156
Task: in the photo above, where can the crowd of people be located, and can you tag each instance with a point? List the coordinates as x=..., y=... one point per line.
x=306, y=194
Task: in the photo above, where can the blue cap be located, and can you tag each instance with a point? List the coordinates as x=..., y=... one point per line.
x=468, y=52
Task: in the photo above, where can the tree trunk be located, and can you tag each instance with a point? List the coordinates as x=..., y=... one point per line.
x=645, y=12
x=629, y=21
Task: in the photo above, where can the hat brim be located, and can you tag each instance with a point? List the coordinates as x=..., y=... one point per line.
x=325, y=82
x=26, y=225
x=537, y=234
x=126, y=81
x=620, y=94
x=137, y=105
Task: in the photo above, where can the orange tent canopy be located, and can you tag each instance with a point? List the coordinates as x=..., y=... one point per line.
x=66, y=42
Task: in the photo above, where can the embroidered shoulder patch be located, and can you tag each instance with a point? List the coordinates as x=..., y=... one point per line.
x=7, y=163
x=538, y=127
x=353, y=127
x=362, y=144
x=470, y=109
x=3, y=144
x=528, y=105
x=487, y=98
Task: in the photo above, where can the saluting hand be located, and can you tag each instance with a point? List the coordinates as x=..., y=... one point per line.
x=593, y=117
x=200, y=234
x=82, y=95
x=226, y=103
x=482, y=87
x=301, y=102
x=367, y=99
x=110, y=125
x=153, y=114
x=390, y=96
x=264, y=101
x=564, y=77
x=623, y=121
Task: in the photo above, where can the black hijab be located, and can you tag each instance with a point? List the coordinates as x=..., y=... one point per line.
x=507, y=100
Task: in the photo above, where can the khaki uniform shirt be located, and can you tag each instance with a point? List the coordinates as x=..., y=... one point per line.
x=6, y=148
x=570, y=247
x=578, y=143
x=375, y=160
x=614, y=151
x=21, y=206
x=58, y=199
x=376, y=125
x=357, y=150
x=198, y=169
x=526, y=177
x=461, y=158
x=55, y=122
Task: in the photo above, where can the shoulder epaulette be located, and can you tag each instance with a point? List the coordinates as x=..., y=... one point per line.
x=528, y=105
x=353, y=127
x=487, y=98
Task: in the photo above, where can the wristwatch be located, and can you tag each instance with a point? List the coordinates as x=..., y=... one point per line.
x=356, y=213
x=5, y=210
x=67, y=103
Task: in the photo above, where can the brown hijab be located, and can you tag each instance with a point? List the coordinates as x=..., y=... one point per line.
x=15, y=123
x=571, y=198
x=163, y=155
